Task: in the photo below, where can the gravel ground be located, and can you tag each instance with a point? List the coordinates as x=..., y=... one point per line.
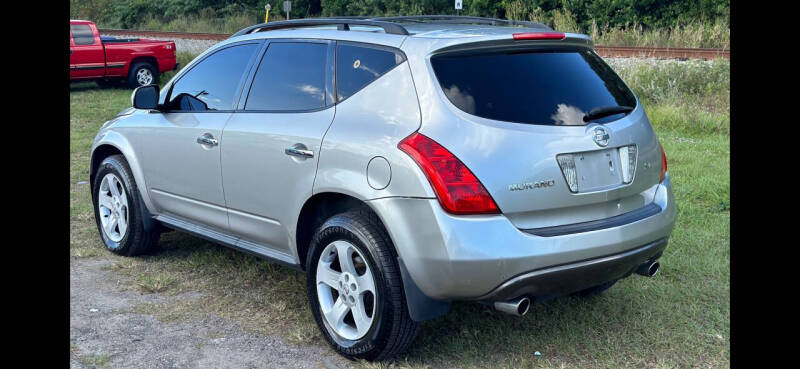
x=104, y=332
x=181, y=44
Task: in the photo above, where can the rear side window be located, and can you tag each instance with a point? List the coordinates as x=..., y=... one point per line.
x=533, y=87
x=291, y=77
x=212, y=83
x=82, y=34
x=358, y=66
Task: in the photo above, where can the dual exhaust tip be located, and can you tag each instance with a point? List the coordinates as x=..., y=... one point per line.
x=520, y=306
x=648, y=269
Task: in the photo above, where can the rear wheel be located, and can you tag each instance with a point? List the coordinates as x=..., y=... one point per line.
x=117, y=210
x=142, y=74
x=355, y=289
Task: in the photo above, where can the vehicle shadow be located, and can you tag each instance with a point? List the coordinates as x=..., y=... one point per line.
x=85, y=85
x=565, y=328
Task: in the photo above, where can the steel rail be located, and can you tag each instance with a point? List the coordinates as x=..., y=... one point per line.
x=604, y=51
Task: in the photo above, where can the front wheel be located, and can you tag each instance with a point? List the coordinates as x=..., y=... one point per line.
x=117, y=209
x=355, y=289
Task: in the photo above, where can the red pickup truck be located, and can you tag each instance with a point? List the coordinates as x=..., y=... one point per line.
x=107, y=59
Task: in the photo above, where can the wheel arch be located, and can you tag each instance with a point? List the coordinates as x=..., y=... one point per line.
x=112, y=143
x=316, y=210
x=323, y=205
x=144, y=59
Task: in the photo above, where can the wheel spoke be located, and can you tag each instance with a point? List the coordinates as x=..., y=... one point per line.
x=360, y=316
x=365, y=283
x=337, y=313
x=122, y=223
x=105, y=201
x=112, y=185
x=345, y=257
x=110, y=226
x=327, y=275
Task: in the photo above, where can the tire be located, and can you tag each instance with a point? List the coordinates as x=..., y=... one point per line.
x=120, y=207
x=144, y=68
x=596, y=290
x=390, y=329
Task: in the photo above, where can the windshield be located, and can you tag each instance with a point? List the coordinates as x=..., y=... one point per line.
x=553, y=87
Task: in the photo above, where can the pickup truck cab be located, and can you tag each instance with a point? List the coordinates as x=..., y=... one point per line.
x=138, y=61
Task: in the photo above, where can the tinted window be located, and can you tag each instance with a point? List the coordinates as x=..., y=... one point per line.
x=82, y=34
x=212, y=83
x=547, y=88
x=291, y=76
x=358, y=66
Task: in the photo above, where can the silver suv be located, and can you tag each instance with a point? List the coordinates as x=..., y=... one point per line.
x=402, y=163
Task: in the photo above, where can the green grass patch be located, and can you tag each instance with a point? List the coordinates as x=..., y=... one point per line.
x=679, y=319
x=96, y=361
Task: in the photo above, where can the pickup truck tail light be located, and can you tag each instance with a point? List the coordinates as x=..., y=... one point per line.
x=457, y=189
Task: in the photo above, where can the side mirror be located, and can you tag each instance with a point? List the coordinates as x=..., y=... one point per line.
x=145, y=97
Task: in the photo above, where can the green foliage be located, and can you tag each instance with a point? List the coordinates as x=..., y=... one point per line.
x=674, y=23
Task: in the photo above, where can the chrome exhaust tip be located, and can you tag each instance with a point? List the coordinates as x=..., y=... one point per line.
x=518, y=307
x=648, y=269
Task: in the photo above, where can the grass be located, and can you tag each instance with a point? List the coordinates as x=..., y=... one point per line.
x=95, y=361
x=716, y=34
x=679, y=319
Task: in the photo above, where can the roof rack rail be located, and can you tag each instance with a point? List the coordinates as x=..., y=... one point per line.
x=342, y=23
x=462, y=19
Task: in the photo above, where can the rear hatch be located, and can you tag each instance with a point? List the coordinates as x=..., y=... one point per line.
x=516, y=119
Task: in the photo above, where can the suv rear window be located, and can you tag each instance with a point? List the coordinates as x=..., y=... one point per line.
x=554, y=87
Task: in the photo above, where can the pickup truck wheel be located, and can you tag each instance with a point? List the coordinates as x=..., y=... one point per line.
x=142, y=74
x=355, y=289
x=117, y=209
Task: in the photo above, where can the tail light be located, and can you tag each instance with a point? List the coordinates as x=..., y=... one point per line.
x=457, y=189
x=663, y=164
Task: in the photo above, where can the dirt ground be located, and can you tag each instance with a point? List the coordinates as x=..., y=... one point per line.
x=106, y=332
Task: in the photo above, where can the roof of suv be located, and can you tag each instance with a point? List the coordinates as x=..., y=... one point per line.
x=434, y=32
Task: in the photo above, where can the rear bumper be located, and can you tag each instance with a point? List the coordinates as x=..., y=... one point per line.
x=475, y=257
x=573, y=277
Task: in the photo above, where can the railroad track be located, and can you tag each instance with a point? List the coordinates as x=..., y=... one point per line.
x=604, y=51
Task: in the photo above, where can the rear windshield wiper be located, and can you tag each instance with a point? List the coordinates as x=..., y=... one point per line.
x=604, y=111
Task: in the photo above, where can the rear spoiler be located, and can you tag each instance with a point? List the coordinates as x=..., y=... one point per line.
x=519, y=40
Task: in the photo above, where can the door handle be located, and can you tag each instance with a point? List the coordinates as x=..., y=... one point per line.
x=208, y=140
x=299, y=150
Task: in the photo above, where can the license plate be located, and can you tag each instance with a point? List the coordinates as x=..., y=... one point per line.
x=598, y=170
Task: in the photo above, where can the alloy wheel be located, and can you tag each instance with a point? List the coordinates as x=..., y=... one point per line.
x=113, y=206
x=346, y=290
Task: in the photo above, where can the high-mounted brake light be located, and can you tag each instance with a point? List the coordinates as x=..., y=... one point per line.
x=539, y=36
x=663, y=164
x=458, y=190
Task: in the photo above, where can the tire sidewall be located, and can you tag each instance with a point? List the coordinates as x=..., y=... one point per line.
x=115, y=167
x=344, y=228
